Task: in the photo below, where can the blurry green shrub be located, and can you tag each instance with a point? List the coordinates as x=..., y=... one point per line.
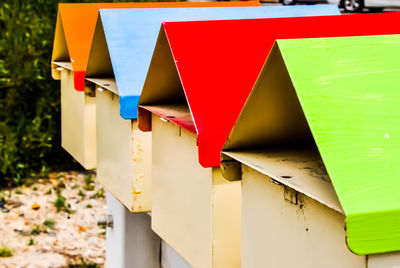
x=29, y=97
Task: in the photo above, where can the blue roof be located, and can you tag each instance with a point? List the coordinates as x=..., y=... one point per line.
x=131, y=35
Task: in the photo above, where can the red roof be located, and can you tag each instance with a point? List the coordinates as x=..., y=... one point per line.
x=218, y=63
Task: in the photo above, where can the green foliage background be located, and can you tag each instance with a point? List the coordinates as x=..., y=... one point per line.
x=29, y=97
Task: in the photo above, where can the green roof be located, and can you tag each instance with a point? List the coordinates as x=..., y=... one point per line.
x=349, y=91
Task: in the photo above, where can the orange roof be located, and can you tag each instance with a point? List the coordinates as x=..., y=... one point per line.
x=76, y=24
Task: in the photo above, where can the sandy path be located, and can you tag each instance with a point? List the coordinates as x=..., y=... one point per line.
x=75, y=235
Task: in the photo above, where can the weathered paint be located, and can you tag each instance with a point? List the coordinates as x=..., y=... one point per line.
x=72, y=43
x=217, y=79
x=123, y=155
x=340, y=93
x=280, y=232
x=300, y=169
x=348, y=90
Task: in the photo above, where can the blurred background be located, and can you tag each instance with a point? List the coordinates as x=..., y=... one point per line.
x=352, y=5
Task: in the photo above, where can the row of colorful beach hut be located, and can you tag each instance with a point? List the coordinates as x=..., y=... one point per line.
x=242, y=135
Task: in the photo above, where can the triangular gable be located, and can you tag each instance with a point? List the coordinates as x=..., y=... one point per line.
x=99, y=68
x=344, y=94
x=228, y=57
x=76, y=24
x=164, y=96
x=131, y=46
x=60, y=49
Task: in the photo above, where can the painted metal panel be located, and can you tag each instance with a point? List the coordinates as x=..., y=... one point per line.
x=195, y=210
x=278, y=221
x=131, y=46
x=343, y=96
x=76, y=23
x=78, y=122
x=73, y=38
x=131, y=242
x=123, y=155
x=217, y=79
x=278, y=231
x=116, y=140
x=350, y=98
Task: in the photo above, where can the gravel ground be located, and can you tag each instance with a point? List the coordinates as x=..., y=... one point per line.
x=39, y=236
